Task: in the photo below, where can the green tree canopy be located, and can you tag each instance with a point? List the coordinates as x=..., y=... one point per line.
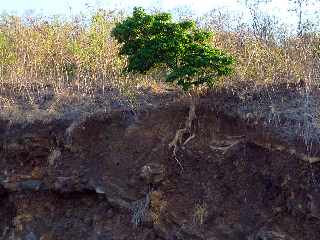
x=150, y=40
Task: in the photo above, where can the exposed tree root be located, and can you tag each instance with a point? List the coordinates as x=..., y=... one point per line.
x=228, y=150
x=228, y=145
x=189, y=138
x=181, y=133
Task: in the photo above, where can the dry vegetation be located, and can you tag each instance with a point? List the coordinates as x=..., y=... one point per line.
x=49, y=68
x=59, y=66
x=265, y=63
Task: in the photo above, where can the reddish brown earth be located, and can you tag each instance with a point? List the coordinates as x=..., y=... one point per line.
x=112, y=176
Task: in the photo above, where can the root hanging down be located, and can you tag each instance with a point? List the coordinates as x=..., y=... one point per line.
x=178, y=138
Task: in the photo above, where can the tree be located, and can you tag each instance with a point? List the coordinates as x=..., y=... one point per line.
x=151, y=40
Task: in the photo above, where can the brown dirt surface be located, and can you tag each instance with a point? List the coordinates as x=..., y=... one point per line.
x=112, y=176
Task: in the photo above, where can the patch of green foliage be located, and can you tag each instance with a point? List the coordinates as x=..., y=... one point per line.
x=151, y=40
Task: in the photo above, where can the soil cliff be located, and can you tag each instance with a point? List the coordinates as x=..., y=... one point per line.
x=112, y=176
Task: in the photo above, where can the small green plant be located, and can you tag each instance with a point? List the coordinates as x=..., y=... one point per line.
x=154, y=40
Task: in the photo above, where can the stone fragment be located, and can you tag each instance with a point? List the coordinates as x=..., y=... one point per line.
x=30, y=236
x=33, y=185
x=153, y=173
x=100, y=190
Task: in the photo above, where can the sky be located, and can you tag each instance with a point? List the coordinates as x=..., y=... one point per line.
x=279, y=8
x=75, y=6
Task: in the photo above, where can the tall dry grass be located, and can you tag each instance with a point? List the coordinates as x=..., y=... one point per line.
x=263, y=63
x=48, y=66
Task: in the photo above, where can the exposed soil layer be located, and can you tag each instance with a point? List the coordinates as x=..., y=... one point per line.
x=112, y=176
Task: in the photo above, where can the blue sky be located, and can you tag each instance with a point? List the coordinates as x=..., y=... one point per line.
x=63, y=6
x=278, y=8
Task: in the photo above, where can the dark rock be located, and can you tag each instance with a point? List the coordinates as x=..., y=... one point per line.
x=2, y=190
x=104, y=236
x=32, y=185
x=315, y=204
x=65, y=184
x=110, y=213
x=264, y=234
x=148, y=235
x=30, y=236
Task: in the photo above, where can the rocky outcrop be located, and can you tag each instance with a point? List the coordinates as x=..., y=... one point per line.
x=113, y=176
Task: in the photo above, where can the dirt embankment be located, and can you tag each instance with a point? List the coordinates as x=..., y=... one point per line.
x=112, y=176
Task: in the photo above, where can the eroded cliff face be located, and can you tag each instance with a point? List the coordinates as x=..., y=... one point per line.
x=113, y=176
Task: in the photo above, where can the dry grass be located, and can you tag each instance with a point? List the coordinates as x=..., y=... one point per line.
x=294, y=61
x=200, y=213
x=158, y=207
x=58, y=66
x=51, y=68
